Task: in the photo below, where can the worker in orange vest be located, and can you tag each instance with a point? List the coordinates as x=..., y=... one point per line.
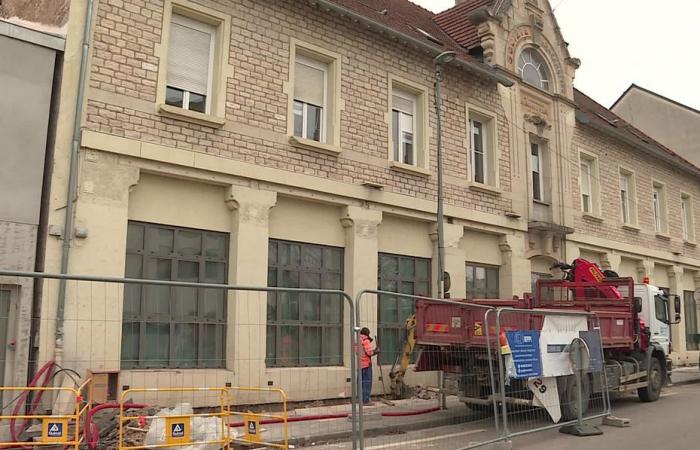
x=367, y=353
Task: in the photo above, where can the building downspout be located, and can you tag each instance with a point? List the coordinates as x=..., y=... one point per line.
x=72, y=182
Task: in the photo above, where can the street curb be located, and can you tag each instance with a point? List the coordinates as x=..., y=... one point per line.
x=378, y=431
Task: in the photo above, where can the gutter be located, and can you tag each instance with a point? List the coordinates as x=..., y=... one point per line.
x=585, y=119
x=73, y=178
x=431, y=50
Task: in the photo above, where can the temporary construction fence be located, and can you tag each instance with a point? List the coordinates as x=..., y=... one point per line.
x=484, y=357
x=135, y=334
x=61, y=427
x=298, y=347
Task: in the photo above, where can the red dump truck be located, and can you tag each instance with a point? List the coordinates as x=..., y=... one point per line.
x=634, y=328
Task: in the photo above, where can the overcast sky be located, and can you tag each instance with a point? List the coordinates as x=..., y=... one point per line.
x=653, y=44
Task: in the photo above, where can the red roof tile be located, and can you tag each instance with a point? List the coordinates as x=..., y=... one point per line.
x=602, y=116
x=455, y=22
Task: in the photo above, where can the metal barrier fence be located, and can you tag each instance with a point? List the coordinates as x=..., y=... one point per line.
x=429, y=387
x=141, y=333
x=134, y=335
x=178, y=426
x=60, y=427
x=552, y=369
x=252, y=422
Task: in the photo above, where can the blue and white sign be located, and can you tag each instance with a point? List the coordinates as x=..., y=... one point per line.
x=525, y=349
x=55, y=430
x=177, y=430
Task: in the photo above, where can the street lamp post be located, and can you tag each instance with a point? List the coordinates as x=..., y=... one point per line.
x=439, y=61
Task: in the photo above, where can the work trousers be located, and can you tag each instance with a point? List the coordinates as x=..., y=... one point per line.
x=366, y=384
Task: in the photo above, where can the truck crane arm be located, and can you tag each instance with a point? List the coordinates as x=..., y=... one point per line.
x=403, y=359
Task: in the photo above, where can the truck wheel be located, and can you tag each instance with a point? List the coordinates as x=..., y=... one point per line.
x=568, y=396
x=652, y=392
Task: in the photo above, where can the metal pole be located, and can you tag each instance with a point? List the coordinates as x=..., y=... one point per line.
x=440, y=199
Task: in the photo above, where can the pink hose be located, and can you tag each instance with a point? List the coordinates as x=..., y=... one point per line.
x=46, y=371
x=91, y=431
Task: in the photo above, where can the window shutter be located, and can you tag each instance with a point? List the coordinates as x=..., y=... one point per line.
x=189, y=54
x=402, y=104
x=309, y=83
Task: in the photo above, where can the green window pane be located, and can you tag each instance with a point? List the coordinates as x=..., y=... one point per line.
x=156, y=344
x=332, y=308
x=390, y=343
x=389, y=285
x=333, y=259
x=271, y=346
x=288, y=303
x=215, y=272
x=407, y=268
x=311, y=257
x=188, y=243
x=407, y=288
x=272, y=307
x=388, y=309
x=213, y=345
x=213, y=305
x=290, y=279
x=272, y=253
x=289, y=346
x=310, y=280
x=185, y=303
x=422, y=288
x=188, y=271
x=184, y=353
x=422, y=269
x=160, y=241
x=157, y=302
x=215, y=245
x=311, y=307
x=134, y=237
x=130, y=344
x=272, y=277
x=332, y=346
x=388, y=266
x=406, y=307
x=311, y=346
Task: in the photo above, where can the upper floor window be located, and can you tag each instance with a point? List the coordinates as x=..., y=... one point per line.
x=314, y=97
x=482, y=147
x=590, y=190
x=190, y=64
x=403, y=126
x=310, y=98
x=687, y=218
x=628, y=206
x=659, y=207
x=533, y=70
x=537, y=175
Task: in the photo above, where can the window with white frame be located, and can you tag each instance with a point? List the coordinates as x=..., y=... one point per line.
x=479, y=151
x=310, y=98
x=628, y=208
x=587, y=185
x=659, y=208
x=537, y=175
x=687, y=218
x=404, y=112
x=191, y=51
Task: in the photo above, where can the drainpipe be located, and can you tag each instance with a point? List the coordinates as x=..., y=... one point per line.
x=72, y=181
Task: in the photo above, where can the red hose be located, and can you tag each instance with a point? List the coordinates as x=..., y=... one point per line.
x=46, y=371
x=337, y=416
x=91, y=431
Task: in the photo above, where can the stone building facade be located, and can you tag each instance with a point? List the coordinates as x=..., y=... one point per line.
x=251, y=170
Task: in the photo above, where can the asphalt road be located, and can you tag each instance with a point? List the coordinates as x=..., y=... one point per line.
x=670, y=423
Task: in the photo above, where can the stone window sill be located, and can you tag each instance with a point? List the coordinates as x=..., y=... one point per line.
x=664, y=236
x=630, y=227
x=481, y=187
x=408, y=168
x=198, y=118
x=593, y=217
x=540, y=202
x=309, y=144
x=690, y=243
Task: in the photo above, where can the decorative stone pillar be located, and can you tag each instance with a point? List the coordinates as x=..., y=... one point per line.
x=610, y=261
x=515, y=271
x=362, y=258
x=455, y=259
x=247, y=311
x=675, y=279
x=645, y=268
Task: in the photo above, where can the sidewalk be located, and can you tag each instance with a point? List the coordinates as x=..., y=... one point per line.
x=322, y=431
x=685, y=375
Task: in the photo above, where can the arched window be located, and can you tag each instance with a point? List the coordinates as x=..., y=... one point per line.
x=533, y=69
